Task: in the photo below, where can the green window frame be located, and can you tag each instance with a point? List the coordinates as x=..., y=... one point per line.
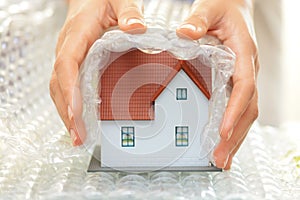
x=181, y=94
x=182, y=136
x=127, y=136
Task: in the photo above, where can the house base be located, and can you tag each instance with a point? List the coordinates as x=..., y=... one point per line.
x=95, y=166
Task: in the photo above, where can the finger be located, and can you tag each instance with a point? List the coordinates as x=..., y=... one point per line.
x=67, y=72
x=82, y=30
x=229, y=162
x=79, y=37
x=60, y=40
x=77, y=127
x=204, y=14
x=58, y=99
x=244, y=85
x=77, y=133
x=226, y=148
x=130, y=15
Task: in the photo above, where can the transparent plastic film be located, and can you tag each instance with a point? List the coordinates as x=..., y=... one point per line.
x=156, y=50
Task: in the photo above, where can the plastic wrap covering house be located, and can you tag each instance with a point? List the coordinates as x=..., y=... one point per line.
x=154, y=100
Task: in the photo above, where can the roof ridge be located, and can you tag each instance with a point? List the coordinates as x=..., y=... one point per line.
x=173, y=73
x=200, y=84
x=182, y=64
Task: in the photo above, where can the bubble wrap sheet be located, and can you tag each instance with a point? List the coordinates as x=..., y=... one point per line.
x=37, y=160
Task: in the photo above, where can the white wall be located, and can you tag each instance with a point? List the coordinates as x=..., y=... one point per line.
x=268, y=24
x=291, y=61
x=278, y=30
x=155, y=140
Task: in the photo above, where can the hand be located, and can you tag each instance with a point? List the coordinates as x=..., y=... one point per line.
x=86, y=21
x=231, y=22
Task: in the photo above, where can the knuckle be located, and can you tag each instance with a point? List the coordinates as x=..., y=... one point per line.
x=60, y=39
x=252, y=44
x=249, y=39
x=130, y=11
x=254, y=113
x=72, y=24
x=61, y=34
x=253, y=110
x=58, y=62
x=61, y=62
x=250, y=86
x=84, y=39
x=53, y=87
x=234, y=143
x=73, y=20
x=257, y=65
x=199, y=20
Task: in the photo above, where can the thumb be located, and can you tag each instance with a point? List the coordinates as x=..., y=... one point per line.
x=130, y=15
x=204, y=14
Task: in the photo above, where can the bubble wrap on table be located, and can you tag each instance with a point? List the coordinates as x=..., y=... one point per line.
x=37, y=160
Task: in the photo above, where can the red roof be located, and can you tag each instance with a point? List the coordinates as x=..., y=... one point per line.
x=131, y=83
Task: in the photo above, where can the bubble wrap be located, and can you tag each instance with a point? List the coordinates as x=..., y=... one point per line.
x=38, y=161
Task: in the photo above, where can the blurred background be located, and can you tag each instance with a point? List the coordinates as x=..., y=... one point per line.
x=278, y=40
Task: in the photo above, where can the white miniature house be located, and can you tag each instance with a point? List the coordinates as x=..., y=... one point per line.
x=153, y=110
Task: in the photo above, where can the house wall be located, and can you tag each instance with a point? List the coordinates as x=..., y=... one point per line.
x=155, y=140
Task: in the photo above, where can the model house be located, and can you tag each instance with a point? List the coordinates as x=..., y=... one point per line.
x=153, y=110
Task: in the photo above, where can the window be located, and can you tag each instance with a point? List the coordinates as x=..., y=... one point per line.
x=127, y=135
x=181, y=94
x=181, y=136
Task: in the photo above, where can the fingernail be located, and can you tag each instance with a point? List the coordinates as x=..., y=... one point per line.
x=213, y=159
x=222, y=127
x=188, y=26
x=131, y=21
x=76, y=102
x=223, y=165
x=77, y=107
x=228, y=164
x=222, y=123
x=70, y=113
x=225, y=162
x=73, y=136
x=229, y=134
